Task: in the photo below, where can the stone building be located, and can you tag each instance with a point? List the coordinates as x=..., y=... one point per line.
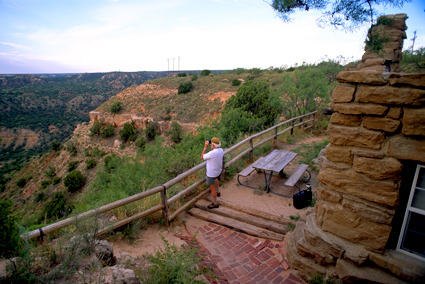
x=369, y=221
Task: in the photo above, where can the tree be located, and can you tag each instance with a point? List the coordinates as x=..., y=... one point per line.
x=176, y=133
x=116, y=107
x=185, y=87
x=128, y=132
x=304, y=90
x=205, y=72
x=346, y=15
x=9, y=232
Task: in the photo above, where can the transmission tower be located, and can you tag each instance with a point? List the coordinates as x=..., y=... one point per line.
x=168, y=72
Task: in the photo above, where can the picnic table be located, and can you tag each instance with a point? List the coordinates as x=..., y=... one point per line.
x=276, y=161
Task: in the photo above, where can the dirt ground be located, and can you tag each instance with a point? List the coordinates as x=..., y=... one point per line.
x=149, y=240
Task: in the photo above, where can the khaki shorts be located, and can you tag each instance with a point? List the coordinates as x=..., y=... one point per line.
x=211, y=181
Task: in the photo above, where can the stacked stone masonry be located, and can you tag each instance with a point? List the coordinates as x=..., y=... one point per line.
x=379, y=120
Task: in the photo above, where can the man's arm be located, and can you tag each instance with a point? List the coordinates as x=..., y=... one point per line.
x=205, y=149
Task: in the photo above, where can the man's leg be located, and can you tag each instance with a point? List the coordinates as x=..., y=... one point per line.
x=217, y=189
x=214, y=196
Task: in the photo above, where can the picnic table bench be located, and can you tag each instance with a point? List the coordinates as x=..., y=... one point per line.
x=276, y=161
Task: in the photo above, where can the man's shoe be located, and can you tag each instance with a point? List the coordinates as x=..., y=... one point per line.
x=212, y=206
x=218, y=194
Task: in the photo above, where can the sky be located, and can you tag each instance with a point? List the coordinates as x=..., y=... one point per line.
x=75, y=36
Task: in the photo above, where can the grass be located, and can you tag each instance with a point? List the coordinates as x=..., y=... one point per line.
x=311, y=151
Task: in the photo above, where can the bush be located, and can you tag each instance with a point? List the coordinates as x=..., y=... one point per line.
x=236, y=82
x=57, y=207
x=9, y=232
x=185, y=88
x=40, y=197
x=111, y=162
x=128, y=132
x=167, y=117
x=71, y=149
x=194, y=77
x=45, y=183
x=152, y=130
x=95, y=129
x=74, y=181
x=21, y=182
x=108, y=131
x=115, y=107
x=90, y=163
x=56, y=180
x=141, y=143
x=182, y=74
x=56, y=145
x=176, y=133
x=205, y=72
x=50, y=172
x=72, y=165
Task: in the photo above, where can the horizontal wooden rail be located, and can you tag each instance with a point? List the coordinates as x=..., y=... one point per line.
x=94, y=212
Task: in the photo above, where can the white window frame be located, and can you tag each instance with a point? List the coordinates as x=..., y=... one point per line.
x=409, y=209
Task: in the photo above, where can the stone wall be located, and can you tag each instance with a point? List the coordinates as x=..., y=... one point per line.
x=379, y=122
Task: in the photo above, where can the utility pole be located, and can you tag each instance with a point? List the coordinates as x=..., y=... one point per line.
x=413, y=39
x=173, y=67
x=168, y=72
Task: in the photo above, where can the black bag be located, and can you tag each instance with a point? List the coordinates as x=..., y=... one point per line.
x=303, y=198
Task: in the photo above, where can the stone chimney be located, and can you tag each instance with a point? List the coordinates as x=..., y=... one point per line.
x=377, y=139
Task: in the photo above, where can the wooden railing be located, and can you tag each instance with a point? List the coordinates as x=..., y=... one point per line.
x=305, y=121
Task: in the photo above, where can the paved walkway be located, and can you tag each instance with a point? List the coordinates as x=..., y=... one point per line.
x=239, y=258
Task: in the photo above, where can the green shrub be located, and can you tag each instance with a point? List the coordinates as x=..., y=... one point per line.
x=9, y=232
x=56, y=180
x=45, y=183
x=205, y=72
x=108, y=131
x=21, y=182
x=182, y=74
x=152, y=130
x=97, y=153
x=185, y=87
x=71, y=149
x=116, y=107
x=236, y=82
x=40, y=197
x=95, y=129
x=111, y=162
x=72, y=165
x=167, y=117
x=141, y=143
x=90, y=163
x=128, y=132
x=74, y=181
x=194, y=77
x=56, y=145
x=176, y=133
x=57, y=207
x=174, y=265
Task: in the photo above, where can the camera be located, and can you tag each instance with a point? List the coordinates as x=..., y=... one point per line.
x=209, y=142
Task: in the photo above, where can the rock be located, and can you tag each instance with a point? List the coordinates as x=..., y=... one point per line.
x=350, y=182
x=381, y=123
x=347, y=120
x=343, y=93
x=357, y=109
x=389, y=95
x=117, y=143
x=403, y=266
x=384, y=169
x=404, y=148
x=105, y=253
x=355, y=253
x=325, y=193
x=120, y=274
x=339, y=154
x=365, y=77
x=368, y=210
x=307, y=265
x=368, y=154
x=125, y=258
x=352, y=227
x=415, y=80
x=414, y=122
x=373, y=62
x=394, y=112
x=353, y=136
x=349, y=273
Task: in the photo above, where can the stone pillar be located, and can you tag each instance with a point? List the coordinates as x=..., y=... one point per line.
x=379, y=120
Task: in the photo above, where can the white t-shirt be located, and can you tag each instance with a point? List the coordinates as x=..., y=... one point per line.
x=214, y=160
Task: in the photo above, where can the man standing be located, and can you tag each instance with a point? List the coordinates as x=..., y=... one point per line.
x=214, y=160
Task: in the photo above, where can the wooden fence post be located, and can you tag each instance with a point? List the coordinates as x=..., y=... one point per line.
x=292, y=127
x=312, y=123
x=275, y=138
x=251, y=153
x=165, y=209
x=302, y=123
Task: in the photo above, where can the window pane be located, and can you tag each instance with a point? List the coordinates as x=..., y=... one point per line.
x=414, y=238
x=421, y=178
x=418, y=200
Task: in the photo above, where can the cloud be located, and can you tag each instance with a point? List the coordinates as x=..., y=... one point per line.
x=14, y=45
